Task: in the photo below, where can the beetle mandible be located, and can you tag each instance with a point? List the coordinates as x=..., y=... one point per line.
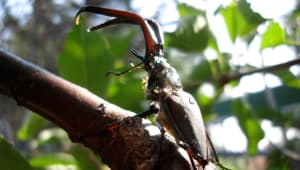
x=177, y=109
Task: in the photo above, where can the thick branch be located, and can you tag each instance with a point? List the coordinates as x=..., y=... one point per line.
x=86, y=118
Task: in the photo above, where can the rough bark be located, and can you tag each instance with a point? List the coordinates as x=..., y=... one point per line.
x=88, y=119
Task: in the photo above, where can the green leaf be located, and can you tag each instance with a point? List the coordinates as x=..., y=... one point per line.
x=85, y=158
x=10, y=159
x=235, y=22
x=193, y=32
x=252, y=17
x=240, y=19
x=80, y=61
x=213, y=43
x=31, y=126
x=278, y=161
x=273, y=36
x=188, y=10
x=288, y=78
x=51, y=136
x=207, y=69
x=201, y=71
x=192, y=35
x=229, y=14
x=53, y=159
x=249, y=125
x=127, y=91
x=87, y=56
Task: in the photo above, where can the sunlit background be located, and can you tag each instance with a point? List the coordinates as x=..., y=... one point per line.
x=226, y=134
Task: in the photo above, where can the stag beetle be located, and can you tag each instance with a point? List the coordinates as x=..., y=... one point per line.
x=177, y=110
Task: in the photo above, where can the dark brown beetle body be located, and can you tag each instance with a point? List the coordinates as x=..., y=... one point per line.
x=178, y=111
x=182, y=123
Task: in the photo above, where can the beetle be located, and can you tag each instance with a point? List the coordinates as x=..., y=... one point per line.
x=177, y=109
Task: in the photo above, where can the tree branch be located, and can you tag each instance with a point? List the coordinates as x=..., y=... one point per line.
x=235, y=76
x=86, y=118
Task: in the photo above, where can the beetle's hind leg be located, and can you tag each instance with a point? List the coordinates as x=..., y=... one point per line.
x=189, y=152
x=161, y=145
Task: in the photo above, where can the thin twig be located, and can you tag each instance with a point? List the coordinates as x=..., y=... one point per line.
x=289, y=153
x=229, y=77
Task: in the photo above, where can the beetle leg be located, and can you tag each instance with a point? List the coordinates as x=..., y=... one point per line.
x=212, y=147
x=161, y=145
x=217, y=161
x=152, y=109
x=136, y=67
x=162, y=132
x=189, y=152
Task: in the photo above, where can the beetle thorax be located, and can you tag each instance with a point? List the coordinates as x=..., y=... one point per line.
x=163, y=79
x=165, y=73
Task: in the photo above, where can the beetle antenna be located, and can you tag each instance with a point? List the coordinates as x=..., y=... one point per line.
x=137, y=54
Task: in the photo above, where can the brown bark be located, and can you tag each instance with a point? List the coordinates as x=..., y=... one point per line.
x=88, y=119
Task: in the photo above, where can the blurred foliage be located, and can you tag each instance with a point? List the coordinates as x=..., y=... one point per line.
x=192, y=34
x=12, y=159
x=32, y=124
x=240, y=19
x=268, y=38
x=249, y=124
x=279, y=161
x=84, y=58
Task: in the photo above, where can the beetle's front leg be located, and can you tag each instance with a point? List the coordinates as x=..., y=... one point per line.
x=153, y=109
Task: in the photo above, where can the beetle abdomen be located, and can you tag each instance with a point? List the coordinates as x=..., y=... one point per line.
x=182, y=117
